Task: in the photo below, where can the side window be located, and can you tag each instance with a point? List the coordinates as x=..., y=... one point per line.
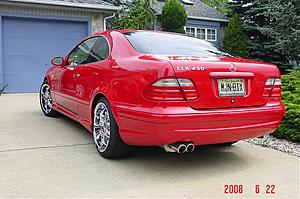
x=81, y=53
x=100, y=50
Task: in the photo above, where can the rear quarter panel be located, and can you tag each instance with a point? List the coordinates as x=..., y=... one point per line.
x=130, y=74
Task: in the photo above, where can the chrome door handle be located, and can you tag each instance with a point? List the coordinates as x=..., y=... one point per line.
x=76, y=75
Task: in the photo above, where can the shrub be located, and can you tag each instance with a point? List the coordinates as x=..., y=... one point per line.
x=290, y=126
x=173, y=16
x=234, y=41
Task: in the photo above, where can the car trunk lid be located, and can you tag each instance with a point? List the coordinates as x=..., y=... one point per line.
x=224, y=82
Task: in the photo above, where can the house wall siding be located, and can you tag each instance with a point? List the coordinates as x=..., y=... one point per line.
x=96, y=18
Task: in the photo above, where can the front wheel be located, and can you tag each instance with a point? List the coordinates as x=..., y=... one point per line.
x=46, y=101
x=106, y=132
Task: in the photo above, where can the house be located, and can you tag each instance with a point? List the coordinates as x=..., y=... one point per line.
x=31, y=31
x=203, y=22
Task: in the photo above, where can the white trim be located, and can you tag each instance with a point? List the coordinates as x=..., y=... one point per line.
x=208, y=19
x=195, y=34
x=68, y=4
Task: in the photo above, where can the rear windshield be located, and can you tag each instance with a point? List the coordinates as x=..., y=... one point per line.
x=171, y=44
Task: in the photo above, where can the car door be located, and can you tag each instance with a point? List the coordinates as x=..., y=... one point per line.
x=93, y=75
x=68, y=85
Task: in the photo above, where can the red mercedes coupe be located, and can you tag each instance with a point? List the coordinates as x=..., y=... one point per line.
x=147, y=88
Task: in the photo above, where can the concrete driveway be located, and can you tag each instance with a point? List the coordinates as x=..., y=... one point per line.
x=55, y=157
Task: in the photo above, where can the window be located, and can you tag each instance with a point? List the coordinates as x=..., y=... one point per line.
x=80, y=54
x=200, y=33
x=211, y=35
x=91, y=50
x=171, y=44
x=190, y=31
x=100, y=51
x=208, y=34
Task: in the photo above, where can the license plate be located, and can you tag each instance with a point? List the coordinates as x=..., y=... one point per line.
x=231, y=87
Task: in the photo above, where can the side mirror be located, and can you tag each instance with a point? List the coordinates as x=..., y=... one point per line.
x=57, y=61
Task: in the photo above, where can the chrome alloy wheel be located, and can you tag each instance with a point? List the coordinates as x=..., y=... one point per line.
x=101, y=127
x=46, y=99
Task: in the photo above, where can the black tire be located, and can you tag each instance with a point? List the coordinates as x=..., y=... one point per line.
x=227, y=143
x=51, y=112
x=115, y=148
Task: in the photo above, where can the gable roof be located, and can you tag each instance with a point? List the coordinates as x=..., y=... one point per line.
x=90, y=4
x=197, y=10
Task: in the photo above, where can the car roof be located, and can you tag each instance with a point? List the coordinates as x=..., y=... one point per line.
x=132, y=30
x=120, y=31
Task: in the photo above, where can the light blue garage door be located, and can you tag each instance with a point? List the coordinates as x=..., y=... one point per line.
x=28, y=45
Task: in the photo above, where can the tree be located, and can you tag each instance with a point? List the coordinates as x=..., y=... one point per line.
x=234, y=40
x=173, y=17
x=136, y=15
x=283, y=28
x=219, y=5
x=272, y=29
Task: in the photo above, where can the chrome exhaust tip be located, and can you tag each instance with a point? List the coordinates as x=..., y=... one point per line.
x=177, y=147
x=181, y=149
x=190, y=147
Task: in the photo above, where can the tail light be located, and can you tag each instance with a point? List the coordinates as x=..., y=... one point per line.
x=171, y=89
x=272, y=88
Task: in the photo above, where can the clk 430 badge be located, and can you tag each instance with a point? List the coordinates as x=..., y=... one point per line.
x=186, y=68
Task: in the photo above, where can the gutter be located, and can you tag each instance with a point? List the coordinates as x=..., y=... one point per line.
x=105, y=19
x=208, y=19
x=68, y=4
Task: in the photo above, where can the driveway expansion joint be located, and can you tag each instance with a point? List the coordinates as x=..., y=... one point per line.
x=45, y=147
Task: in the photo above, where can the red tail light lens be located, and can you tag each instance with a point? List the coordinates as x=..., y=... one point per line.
x=272, y=88
x=170, y=89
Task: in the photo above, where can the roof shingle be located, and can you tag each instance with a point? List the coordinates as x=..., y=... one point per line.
x=96, y=2
x=197, y=10
x=93, y=4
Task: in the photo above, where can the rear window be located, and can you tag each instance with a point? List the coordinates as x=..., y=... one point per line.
x=171, y=44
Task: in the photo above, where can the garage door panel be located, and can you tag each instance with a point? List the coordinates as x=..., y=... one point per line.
x=16, y=46
x=43, y=27
x=28, y=45
x=25, y=75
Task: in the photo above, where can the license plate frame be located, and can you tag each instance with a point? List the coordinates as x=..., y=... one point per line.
x=231, y=87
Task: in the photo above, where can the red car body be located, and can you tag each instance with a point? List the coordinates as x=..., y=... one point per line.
x=150, y=116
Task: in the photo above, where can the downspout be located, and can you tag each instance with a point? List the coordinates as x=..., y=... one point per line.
x=105, y=18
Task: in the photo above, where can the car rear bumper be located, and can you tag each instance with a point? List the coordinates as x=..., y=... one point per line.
x=200, y=127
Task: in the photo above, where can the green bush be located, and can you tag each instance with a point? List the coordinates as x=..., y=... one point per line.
x=173, y=16
x=290, y=126
x=234, y=41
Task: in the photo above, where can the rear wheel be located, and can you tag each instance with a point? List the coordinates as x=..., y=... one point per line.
x=106, y=132
x=46, y=100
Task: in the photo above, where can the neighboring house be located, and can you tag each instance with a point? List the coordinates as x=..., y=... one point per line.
x=203, y=22
x=32, y=31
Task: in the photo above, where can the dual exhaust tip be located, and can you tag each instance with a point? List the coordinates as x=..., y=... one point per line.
x=180, y=147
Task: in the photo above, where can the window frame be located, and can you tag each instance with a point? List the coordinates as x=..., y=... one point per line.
x=96, y=36
x=199, y=28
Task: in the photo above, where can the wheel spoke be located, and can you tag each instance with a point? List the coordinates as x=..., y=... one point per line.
x=49, y=105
